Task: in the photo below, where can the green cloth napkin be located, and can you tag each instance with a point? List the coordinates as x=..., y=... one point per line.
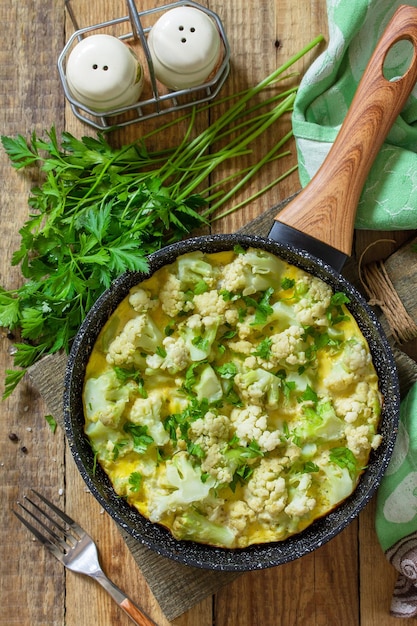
x=396, y=514
x=389, y=198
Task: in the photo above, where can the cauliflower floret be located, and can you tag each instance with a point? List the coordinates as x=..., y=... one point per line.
x=194, y=321
x=121, y=351
x=194, y=526
x=350, y=409
x=356, y=357
x=236, y=516
x=231, y=316
x=301, y=503
x=259, y=387
x=364, y=403
x=208, y=385
x=154, y=361
x=233, y=275
x=199, y=334
x=266, y=492
x=171, y=296
x=139, y=333
x=269, y=440
x=376, y=441
x=249, y=422
x=311, y=308
x=215, y=464
x=339, y=379
x=354, y=364
x=140, y=300
x=177, y=357
x=211, y=433
x=180, y=486
x=358, y=439
x=105, y=398
x=241, y=347
x=210, y=303
x=210, y=429
x=251, y=362
x=240, y=515
x=244, y=330
x=252, y=271
x=367, y=394
x=147, y=412
x=292, y=453
x=288, y=346
x=193, y=268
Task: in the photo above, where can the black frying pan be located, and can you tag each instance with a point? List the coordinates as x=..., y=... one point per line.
x=313, y=232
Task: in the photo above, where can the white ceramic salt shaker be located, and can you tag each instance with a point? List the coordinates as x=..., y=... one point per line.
x=185, y=47
x=103, y=73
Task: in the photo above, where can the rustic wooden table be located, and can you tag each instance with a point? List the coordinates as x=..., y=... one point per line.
x=347, y=581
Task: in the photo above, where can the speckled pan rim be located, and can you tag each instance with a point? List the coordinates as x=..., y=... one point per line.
x=158, y=538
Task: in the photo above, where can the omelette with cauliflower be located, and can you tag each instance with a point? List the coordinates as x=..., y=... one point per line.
x=231, y=397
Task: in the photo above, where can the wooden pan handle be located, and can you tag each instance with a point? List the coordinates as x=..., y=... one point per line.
x=326, y=207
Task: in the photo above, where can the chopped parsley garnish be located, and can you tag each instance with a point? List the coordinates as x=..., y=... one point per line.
x=335, y=312
x=264, y=349
x=135, y=481
x=139, y=434
x=287, y=283
x=227, y=370
x=262, y=307
x=117, y=447
x=240, y=455
x=124, y=374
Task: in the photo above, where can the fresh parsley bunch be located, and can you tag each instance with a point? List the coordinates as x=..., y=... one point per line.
x=92, y=219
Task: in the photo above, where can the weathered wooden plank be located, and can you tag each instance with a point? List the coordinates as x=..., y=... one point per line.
x=31, y=586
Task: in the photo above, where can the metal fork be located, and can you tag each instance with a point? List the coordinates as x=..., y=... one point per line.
x=71, y=545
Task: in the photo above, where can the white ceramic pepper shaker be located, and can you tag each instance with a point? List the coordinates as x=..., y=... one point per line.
x=103, y=73
x=185, y=47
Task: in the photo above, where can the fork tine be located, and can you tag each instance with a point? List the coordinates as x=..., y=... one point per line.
x=66, y=518
x=44, y=513
x=44, y=540
x=40, y=522
x=64, y=537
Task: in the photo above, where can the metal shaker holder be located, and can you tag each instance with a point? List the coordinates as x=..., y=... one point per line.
x=158, y=100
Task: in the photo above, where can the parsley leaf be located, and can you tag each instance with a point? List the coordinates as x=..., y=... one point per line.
x=287, y=283
x=243, y=457
x=227, y=370
x=135, y=481
x=139, y=434
x=52, y=422
x=262, y=308
x=263, y=349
